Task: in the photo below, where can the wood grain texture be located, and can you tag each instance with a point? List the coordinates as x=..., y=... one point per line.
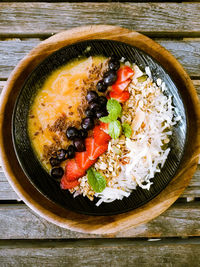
x=142, y=1
x=2, y=84
x=88, y=253
x=101, y=224
x=197, y=86
x=149, y=18
x=187, y=52
x=11, y=52
x=19, y=222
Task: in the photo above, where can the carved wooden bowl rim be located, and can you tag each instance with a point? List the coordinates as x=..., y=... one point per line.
x=104, y=225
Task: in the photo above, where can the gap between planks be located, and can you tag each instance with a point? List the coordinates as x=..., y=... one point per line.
x=113, y=252
x=103, y=242
x=42, y=19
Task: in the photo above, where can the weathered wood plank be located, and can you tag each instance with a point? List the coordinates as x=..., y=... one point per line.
x=11, y=52
x=187, y=52
x=19, y=222
x=197, y=86
x=2, y=84
x=6, y=191
x=151, y=18
x=142, y=1
x=101, y=253
x=156, y=1
x=193, y=190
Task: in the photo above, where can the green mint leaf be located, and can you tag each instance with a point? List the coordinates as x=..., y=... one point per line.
x=106, y=119
x=114, y=116
x=114, y=129
x=114, y=108
x=96, y=180
x=127, y=129
x=142, y=78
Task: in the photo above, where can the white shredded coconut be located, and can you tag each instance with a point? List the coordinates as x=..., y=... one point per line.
x=132, y=162
x=148, y=72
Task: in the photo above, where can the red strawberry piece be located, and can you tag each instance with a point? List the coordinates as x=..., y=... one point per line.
x=83, y=160
x=100, y=136
x=120, y=87
x=65, y=184
x=103, y=126
x=94, y=150
x=73, y=171
x=108, y=96
x=121, y=97
x=124, y=73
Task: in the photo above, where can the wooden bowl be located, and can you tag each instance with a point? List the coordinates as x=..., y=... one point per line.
x=101, y=224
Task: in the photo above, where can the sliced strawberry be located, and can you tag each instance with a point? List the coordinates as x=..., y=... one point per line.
x=100, y=136
x=121, y=97
x=108, y=96
x=120, y=87
x=65, y=184
x=124, y=73
x=73, y=171
x=94, y=150
x=104, y=126
x=83, y=160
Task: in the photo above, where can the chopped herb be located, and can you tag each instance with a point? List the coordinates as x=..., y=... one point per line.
x=142, y=78
x=114, y=108
x=127, y=129
x=114, y=129
x=106, y=119
x=96, y=180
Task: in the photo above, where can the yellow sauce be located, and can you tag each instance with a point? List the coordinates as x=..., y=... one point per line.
x=61, y=95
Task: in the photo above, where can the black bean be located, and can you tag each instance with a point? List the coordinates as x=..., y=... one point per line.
x=57, y=172
x=71, y=152
x=91, y=96
x=72, y=133
x=54, y=161
x=101, y=86
x=79, y=145
x=87, y=123
x=110, y=77
x=62, y=154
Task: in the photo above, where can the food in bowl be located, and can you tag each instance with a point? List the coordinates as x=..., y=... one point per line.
x=102, y=126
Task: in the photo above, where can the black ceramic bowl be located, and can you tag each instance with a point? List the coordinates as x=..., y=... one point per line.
x=31, y=165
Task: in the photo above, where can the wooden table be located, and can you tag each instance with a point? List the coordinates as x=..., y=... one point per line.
x=28, y=240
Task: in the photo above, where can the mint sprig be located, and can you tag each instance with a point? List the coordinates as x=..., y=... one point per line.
x=114, y=109
x=114, y=112
x=96, y=180
x=127, y=129
x=106, y=119
x=114, y=129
